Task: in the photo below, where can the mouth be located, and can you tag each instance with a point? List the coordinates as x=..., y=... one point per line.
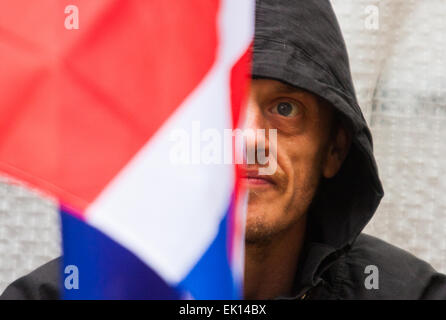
x=252, y=179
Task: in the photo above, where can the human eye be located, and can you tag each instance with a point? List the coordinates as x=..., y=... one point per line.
x=286, y=109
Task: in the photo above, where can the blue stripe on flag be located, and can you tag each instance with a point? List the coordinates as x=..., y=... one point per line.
x=212, y=278
x=106, y=269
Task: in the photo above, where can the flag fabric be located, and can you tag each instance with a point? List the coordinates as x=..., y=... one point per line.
x=85, y=117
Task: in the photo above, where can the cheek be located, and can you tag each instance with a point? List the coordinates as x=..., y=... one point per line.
x=300, y=158
x=303, y=166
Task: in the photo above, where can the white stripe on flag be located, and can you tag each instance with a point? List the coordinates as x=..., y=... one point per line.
x=168, y=214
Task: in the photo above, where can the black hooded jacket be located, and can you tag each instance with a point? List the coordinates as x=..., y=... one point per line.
x=299, y=42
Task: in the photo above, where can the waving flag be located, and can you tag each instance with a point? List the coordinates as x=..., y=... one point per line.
x=85, y=116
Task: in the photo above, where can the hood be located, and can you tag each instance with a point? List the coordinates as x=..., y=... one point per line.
x=299, y=42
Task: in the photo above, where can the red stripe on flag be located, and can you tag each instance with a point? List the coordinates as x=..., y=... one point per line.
x=76, y=105
x=240, y=80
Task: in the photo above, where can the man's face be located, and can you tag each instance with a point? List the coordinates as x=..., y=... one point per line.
x=304, y=135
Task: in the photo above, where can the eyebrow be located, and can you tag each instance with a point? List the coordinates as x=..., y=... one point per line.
x=287, y=88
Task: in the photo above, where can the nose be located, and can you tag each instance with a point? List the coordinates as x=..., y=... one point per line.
x=254, y=131
x=254, y=116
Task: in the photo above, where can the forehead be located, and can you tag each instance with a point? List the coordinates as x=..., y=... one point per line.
x=270, y=88
x=276, y=85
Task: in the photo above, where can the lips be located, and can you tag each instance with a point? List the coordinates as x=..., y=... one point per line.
x=253, y=178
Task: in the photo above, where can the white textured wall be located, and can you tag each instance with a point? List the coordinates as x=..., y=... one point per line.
x=399, y=72
x=400, y=76
x=29, y=231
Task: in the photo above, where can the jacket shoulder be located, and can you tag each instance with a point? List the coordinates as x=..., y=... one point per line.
x=375, y=269
x=41, y=284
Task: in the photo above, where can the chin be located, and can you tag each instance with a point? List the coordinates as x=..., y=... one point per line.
x=258, y=236
x=262, y=223
x=267, y=217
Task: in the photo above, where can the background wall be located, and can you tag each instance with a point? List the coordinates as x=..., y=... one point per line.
x=29, y=231
x=398, y=58
x=399, y=70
